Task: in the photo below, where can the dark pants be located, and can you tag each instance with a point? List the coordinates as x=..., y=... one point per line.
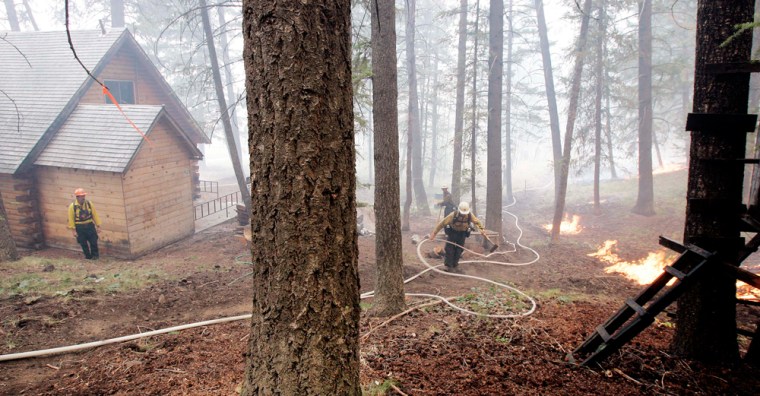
x=87, y=236
x=453, y=253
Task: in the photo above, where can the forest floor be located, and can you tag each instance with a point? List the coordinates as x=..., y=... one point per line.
x=53, y=298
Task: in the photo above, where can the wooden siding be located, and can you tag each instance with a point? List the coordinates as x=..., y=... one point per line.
x=21, y=207
x=104, y=189
x=124, y=66
x=158, y=192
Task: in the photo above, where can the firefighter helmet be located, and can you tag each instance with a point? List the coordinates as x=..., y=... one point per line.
x=79, y=192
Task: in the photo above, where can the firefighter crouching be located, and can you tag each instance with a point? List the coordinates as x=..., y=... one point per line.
x=457, y=228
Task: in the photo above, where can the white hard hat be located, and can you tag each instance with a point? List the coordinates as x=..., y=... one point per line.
x=464, y=208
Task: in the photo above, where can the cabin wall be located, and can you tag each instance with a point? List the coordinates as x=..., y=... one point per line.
x=104, y=189
x=19, y=197
x=158, y=192
x=124, y=66
x=148, y=91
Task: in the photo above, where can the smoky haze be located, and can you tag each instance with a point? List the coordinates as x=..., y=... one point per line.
x=172, y=38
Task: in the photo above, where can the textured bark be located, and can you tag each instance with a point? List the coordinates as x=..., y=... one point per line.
x=706, y=320
x=389, y=281
x=305, y=325
x=572, y=110
x=420, y=197
x=223, y=109
x=117, y=13
x=551, y=96
x=10, y=9
x=495, y=70
x=645, y=200
x=507, y=175
x=456, y=168
x=8, y=250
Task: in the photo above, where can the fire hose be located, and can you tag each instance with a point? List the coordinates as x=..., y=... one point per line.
x=369, y=294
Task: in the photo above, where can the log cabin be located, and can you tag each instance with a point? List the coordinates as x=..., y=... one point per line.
x=59, y=130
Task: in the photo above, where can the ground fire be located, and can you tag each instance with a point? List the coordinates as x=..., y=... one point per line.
x=567, y=227
x=642, y=271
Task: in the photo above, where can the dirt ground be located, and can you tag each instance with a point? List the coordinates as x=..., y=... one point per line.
x=434, y=350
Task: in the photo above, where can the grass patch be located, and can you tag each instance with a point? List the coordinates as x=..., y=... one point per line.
x=561, y=296
x=50, y=277
x=493, y=300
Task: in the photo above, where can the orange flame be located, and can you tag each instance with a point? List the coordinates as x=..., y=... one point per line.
x=642, y=271
x=746, y=292
x=567, y=227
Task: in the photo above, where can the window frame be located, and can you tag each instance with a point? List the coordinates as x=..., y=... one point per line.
x=117, y=88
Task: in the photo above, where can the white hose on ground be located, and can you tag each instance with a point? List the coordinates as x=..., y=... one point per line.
x=485, y=260
x=72, y=348
x=78, y=347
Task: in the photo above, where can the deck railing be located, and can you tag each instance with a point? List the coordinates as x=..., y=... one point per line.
x=209, y=186
x=223, y=203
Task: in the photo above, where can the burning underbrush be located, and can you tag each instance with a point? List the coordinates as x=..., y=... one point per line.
x=567, y=227
x=642, y=271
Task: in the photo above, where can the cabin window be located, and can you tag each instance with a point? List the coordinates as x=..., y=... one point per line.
x=122, y=91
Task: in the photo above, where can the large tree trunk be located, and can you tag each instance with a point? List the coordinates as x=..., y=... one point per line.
x=645, y=200
x=572, y=110
x=305, y=325
x=456, y=168
x=495, y=70
x=223, y=110
x=706, y=321
x=420, y=197
x=8, y=250
x=599, y=74
x=507, y=175
x=551, y=96
x=474, y=135
x=389, y=280
x=10, y=9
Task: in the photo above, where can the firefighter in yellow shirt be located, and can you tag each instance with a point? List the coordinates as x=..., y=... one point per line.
x=85, y=223
x=457, y=228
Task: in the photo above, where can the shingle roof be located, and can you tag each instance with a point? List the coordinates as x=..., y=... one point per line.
x=39, y=78
x=40, y=83
x=96, y=137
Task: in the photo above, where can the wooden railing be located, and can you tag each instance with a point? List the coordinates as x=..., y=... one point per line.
x=209, y=186
x=225, y=203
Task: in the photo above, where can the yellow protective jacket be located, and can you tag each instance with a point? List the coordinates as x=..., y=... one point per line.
x=82, y=214
x=458, y=223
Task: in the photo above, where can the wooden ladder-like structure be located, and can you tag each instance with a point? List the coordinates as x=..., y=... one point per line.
x=639, y=312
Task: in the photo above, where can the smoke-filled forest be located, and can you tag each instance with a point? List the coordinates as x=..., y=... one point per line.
x=380, y=197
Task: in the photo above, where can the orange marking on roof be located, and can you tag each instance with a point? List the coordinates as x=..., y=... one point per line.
x=110, y=96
